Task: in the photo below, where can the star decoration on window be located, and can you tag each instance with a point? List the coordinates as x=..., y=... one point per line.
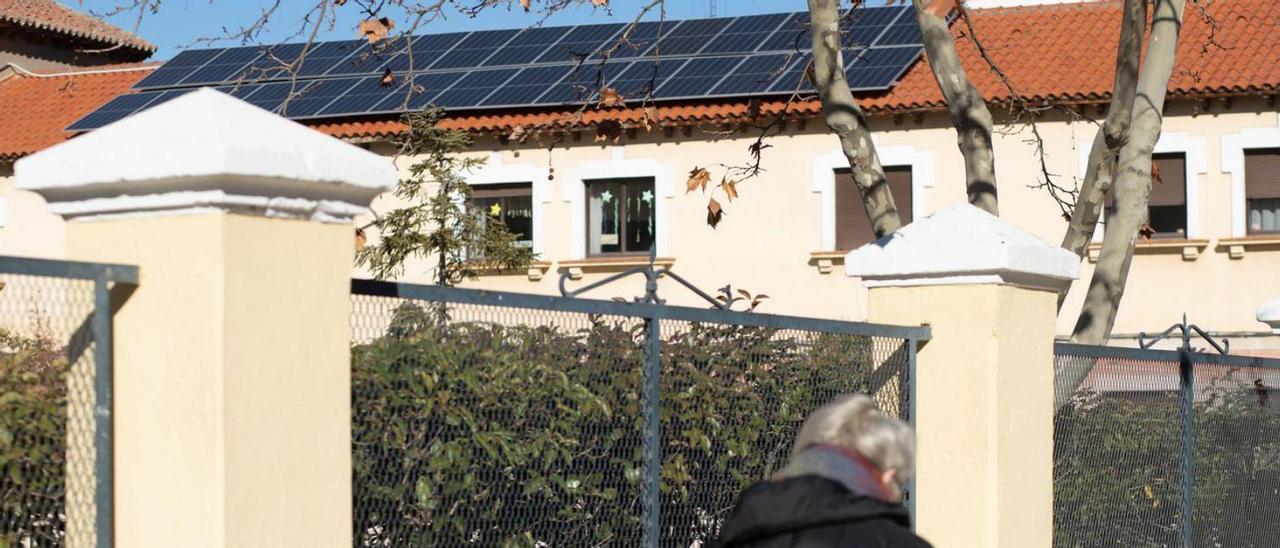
x=647, y=196
x=606, y=196
x=495, y=210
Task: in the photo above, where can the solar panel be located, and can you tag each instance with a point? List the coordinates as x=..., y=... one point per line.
x=473, y=50
x=746, y=34
x=527, y=86
x=725, y=57
x=697, y=77
x=579, y=42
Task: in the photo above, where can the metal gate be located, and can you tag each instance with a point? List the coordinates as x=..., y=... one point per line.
x=1167, y=447
x=55, y=401
x=485, y=417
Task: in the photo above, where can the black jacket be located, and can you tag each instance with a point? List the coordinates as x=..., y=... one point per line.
x=815, y=512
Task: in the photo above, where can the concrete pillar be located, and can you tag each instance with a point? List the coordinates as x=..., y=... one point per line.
x=232, y=387
x=984, y=400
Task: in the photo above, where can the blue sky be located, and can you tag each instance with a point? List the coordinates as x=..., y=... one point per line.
x=179, y=23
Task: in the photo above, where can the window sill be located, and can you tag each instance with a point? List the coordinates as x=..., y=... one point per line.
x=1236, y=247
x=535, y=271
x=826, y=261
x=576, y=268
x=1190, y=249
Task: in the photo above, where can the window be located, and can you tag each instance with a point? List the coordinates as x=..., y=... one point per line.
x=1167, y=209
x=1262, y=190
x=510, y=204
x=619, y=216
x=853, y=230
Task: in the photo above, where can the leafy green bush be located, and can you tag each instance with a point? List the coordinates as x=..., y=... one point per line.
x=480, y=433
x=33, y=438
x=1117, y=475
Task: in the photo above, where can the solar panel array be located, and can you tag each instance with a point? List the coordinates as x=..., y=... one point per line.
x=538, y=66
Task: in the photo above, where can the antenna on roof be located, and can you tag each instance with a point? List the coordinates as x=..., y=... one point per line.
x=711, y=8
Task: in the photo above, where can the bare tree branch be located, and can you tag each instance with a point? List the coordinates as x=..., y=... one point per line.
x=1132, y=191
x=846, y=119
x=968, y=111
x=1111, y=137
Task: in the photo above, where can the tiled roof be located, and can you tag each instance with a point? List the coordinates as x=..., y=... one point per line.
x=1056, y=52
x=49, y=15
x=35, y=108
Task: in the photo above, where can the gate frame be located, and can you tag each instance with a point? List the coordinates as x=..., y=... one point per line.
x=102, y=275
x=653, y=310
x=1187, y=358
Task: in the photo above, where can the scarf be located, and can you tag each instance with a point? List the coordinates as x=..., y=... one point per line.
x=841, y=465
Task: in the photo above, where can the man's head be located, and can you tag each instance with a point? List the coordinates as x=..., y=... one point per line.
x=854, y=422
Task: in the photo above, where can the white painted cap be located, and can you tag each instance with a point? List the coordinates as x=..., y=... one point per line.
x=1269, y=314
x=206, y=151
x=962, y=245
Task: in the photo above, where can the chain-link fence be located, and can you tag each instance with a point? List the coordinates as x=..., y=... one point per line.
x=488, y=418
x=1166, y=448
x=55, y=409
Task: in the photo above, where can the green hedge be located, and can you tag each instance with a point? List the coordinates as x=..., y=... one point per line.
x=1117, y=477
x=33, y=425
x=477, y=433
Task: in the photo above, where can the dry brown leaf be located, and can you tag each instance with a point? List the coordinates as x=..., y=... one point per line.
x=1155, y=174
x=608, y=130
x=730, y=187
x=388, y=79
x=698, y=178
x=376, y=30
x=714, y=213
x=339, y=2
x=525, y=4
x=610, y=97
x=650, y=118
x=600, y=3
x=361, y=239
x=1146, y=231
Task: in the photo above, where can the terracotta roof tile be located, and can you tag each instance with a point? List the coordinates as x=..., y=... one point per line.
x=37, y=108
x=51, y=16
x=1055, y=52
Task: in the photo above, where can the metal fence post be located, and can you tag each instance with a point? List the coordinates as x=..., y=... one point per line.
x=104, y=458
x=1187, y=442
x=652, y=507
x=912, y=344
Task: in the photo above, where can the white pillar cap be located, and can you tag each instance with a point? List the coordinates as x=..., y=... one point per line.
x=206, y=151
x=962, y=245
x=1269, y=314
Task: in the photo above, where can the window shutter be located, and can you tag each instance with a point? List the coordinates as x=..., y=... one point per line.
x=504, y=190
x=853, y=230
x=1172, y=190
x=1262, y=173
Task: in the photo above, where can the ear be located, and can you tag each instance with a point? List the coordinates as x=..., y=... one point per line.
x=889, y=478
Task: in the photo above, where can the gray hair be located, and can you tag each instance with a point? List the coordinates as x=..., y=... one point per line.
x=853, y=421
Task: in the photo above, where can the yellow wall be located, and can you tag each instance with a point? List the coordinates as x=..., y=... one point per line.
x=765, y=240
x=232, y=385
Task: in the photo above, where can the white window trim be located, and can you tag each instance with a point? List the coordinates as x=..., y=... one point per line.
x=575, y=192
x=495, y=172
x=824, y=182
x=1193, y=150
x=1233, y=147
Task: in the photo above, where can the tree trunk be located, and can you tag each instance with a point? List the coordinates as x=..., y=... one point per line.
x=1114, y=133
x=968, y=111
x=846, y=120
x=1132, y=191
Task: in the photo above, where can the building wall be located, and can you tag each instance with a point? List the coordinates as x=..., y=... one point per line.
x=43, y=56
x=767, y=235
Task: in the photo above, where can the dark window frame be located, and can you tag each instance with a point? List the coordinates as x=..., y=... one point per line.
x=905, y=210
x=624, y=214
x=1248, y=200
x=504, y=190
x=1110, y=207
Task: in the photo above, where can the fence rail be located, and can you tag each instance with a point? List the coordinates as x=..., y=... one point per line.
x=56, y=411
x=493, y=418
x=1167, y=448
